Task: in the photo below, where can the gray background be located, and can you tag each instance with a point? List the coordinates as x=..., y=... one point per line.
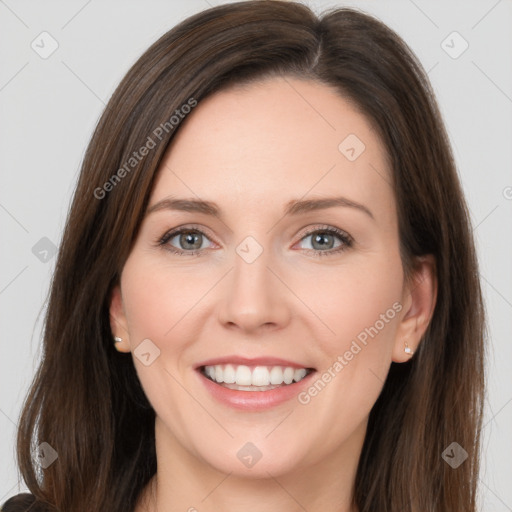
x=49, y=107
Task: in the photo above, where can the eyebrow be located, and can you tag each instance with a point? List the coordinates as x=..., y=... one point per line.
x=293, y=207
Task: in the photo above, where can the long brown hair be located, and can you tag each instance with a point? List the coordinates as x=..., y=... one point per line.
x=86, y=401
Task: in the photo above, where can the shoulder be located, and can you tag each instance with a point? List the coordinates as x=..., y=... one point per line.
x=22, y=503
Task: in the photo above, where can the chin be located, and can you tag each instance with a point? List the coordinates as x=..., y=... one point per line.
x=256, y=459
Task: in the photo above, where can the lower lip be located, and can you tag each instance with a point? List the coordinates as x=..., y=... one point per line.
x=254, y=400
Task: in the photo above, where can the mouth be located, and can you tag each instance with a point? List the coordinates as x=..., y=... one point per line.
x=254, y=385
x=253, y=378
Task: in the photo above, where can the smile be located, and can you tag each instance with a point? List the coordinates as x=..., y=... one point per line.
x=253, y=384
x=256, y=378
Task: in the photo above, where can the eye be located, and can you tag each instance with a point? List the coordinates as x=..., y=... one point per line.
x=189, y=241
x=323, y=240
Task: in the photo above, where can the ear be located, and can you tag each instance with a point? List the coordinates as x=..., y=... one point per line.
x=419, y=300
x=118, y=324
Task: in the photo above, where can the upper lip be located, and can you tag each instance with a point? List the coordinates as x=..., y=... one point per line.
x=257, y=361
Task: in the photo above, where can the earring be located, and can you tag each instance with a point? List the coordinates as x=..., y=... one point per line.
x=408, y=349
x=117, y=339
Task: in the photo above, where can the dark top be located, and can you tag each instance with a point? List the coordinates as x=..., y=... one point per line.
x=23, y=502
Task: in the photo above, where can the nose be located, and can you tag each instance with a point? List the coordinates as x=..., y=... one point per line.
x=255, y=297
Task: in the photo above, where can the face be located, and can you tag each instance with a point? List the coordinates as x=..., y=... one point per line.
x=297, y=304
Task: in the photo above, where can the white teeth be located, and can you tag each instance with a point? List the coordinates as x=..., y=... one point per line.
x=210, y=371
x=258, y=376
x=219, y=374
x=299, y=374
x=242, y=376
x=276, y=375
x=288, y=375
x=229, y=374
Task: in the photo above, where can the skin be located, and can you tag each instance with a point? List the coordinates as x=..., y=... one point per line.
x=251, y=150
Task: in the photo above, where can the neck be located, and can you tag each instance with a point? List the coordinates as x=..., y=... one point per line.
x=185, y=482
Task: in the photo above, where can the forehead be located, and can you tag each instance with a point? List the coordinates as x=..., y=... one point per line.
x=280, y=138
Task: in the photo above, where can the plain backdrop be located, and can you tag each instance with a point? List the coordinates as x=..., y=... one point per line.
x=51, y=103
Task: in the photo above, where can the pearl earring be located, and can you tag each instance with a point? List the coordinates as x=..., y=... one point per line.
x=117, y=339
x=408, y=349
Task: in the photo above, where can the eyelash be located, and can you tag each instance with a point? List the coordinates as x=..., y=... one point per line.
x=346, y=239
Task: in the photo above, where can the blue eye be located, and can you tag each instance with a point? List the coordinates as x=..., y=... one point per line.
x=191, y=241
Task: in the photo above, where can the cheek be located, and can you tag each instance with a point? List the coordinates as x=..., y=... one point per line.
x=161, y=305
x=361, y=306
x=157, y=298
x=156, y=301
x=359, y=300
x=367, y=311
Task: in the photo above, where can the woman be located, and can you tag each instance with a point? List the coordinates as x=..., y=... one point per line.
x=320, y=343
